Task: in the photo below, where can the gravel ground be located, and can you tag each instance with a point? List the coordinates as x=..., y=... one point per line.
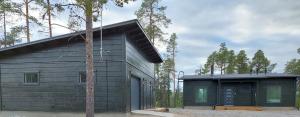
x=233, y=113
x=64, y=114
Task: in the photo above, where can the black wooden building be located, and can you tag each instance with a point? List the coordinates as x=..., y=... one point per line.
x=49, y=74
x=269, y=90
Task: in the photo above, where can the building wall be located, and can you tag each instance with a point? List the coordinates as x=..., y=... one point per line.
x=288, y=91
x=288, y=87
x=189, y=92
x=59, y=88
x=139, y=66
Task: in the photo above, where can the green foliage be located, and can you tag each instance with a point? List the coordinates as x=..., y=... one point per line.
x=165, y=69
x=152, y=16
x=163, y=83
x=10, y=7
x=11, y=35
x=229, y=63
x=172, y=44
x=221, y=57
x=209, y=63
x=231, y=59
x=259, y=62
x=293, y=66
x=79, y=9
x=242, y=62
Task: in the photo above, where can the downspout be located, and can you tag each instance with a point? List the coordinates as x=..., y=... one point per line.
x=178, y=91
x=0, y=90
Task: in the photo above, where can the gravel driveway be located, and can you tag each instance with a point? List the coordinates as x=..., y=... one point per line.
x=233, y=113
x=65, y=114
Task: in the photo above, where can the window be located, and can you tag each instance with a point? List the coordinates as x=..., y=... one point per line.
x=273, y=94
x=31, y=78
x=201, y=95
x=82, y=77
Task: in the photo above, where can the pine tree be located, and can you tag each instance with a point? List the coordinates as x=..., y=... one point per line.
x=210, y=63
x=259, y=62
x=242, y=62
x=171, y=50
x=48, y=12
x=231, y=59
x=90, y=10
x=152, y=16
x=11, y=35
x=293, y=66
x=222, y=57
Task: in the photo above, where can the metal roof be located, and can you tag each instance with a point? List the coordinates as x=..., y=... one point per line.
x=238, y=76
x=131, y=27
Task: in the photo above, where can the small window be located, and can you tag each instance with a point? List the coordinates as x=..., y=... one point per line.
x=31, y=78
x=201, y=95
x=273, y=94
x=82, y=77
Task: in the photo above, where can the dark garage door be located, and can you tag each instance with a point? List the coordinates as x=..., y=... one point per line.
x=135, y=93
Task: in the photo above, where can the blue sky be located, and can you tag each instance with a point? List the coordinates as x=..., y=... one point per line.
x=201, y=25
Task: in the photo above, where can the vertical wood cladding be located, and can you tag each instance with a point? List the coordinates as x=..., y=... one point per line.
x=245, y=91
x=59, y=88
x=140, y=67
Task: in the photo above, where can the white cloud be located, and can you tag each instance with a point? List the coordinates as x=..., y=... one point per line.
x=270, y=25
x=201, y=25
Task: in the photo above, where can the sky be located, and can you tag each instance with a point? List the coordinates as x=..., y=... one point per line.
x=201, y=25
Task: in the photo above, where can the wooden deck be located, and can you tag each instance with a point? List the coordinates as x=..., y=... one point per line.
x=250, y=108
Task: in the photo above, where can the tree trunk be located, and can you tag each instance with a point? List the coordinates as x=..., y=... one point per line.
x=27, y=21
x=4, y=23
x=49, y=18
x=174, y=77
x=221, y=70
x=89, y=59
x=150, y=24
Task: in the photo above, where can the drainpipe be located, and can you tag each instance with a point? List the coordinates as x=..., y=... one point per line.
x=178, y=91
x=0, y=90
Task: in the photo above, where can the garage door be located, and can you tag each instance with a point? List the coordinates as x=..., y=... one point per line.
x=135, y=93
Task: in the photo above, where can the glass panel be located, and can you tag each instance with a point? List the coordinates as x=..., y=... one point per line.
x=201, y=95
x=273, y=94
x=82, y=77
x=31, y=77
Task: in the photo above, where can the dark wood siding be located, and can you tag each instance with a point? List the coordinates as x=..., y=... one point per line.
x=189, y=92
x=140, y=67
x=288, y=91
x=245, y=91
x=59, y=88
